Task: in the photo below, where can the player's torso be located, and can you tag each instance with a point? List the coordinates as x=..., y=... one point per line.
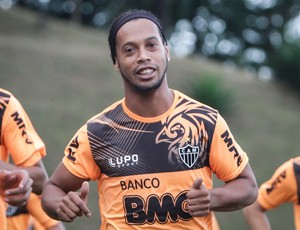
x=148, y=167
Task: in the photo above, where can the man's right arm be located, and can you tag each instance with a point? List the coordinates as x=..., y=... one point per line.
x=61, y=199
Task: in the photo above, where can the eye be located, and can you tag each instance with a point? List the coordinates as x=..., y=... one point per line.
x=128, y=50
x=152, y=45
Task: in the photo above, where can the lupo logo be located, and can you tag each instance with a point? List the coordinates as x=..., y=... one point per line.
x=123, y=161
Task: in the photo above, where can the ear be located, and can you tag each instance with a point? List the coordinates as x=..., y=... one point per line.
x=117, y=67
x=167, y=49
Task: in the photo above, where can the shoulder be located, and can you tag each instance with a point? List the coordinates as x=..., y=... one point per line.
x=296, y=167
x=8, y=99
x=5, y=96
x=191, y=105
x=106, y=110
x=9, y=106
x=296, y=160
x=183, y=96
x=5, y=92
x=107, y=116
x=289, y=164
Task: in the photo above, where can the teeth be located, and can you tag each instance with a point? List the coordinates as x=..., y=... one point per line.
x=146, y=71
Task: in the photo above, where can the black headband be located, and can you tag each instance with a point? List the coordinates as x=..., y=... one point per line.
x=126, y=17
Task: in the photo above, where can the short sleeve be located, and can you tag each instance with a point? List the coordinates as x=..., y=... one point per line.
x=22, y=141
x=78, y=158
x=280, y=188
x=227, y=159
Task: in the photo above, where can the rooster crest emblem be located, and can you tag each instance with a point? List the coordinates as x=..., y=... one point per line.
x=189, y=155
x=185, y=133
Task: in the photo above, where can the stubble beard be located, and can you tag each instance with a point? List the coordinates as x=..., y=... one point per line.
x=146, y=89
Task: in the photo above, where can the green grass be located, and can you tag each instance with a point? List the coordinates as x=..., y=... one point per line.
x=63, y=75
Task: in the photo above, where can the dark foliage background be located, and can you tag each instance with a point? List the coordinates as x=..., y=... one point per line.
x=252, y=34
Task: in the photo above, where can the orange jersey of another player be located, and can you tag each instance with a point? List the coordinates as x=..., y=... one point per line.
x=284, y=186
x=18, y=137
x=145, y=166
x=2, y=215
x=37, y=217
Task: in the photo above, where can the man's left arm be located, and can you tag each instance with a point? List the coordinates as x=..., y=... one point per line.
x=233, y=195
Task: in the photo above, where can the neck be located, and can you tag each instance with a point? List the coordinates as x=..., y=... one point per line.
x=150, y=104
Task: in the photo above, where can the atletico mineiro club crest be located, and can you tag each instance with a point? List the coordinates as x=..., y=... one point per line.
x=189, y=154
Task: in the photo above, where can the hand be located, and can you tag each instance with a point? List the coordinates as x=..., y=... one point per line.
x=74, y=204
x=15, y=187
x=198, y=199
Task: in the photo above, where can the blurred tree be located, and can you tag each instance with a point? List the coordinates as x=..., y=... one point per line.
x=286, y=64
x=240, y=33
x=246, y=33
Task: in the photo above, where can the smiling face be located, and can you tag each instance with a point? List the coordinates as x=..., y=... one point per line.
x=141, y=56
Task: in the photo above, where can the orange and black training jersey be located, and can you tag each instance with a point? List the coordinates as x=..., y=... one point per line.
x=18, y=138
x=145, y=166
x=283, y=187
x=30, y=215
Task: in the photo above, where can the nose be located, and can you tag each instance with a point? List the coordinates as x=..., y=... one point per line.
x=143, y=56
